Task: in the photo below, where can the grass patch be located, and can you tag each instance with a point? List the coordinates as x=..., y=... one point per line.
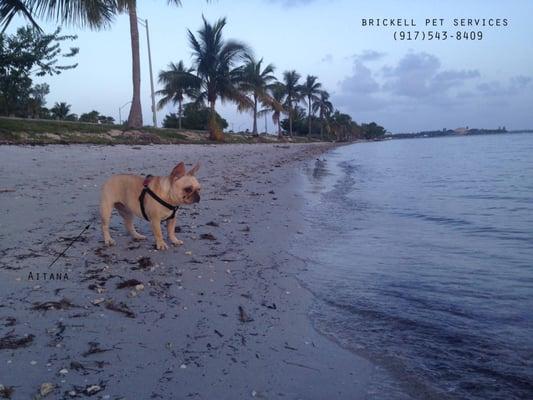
x=173, y=135
x=9, y=125
x=31, y=131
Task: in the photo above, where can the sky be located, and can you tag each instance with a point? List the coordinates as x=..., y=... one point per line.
x=405, y=86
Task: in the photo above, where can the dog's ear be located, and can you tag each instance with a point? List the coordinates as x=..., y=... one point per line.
x=178, y=171
x=194, y=169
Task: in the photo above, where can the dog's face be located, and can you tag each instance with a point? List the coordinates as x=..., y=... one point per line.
x=185, y=186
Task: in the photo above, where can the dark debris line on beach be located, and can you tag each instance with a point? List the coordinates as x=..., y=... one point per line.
x=12, y=342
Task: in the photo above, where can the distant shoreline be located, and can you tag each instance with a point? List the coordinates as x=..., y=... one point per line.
x=450, y=133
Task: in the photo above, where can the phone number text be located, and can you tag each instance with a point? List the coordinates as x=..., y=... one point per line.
x=438, y=35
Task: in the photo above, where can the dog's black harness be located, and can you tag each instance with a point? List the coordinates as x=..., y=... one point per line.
x=145, y=190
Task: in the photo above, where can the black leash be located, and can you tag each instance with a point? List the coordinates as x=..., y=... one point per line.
x=70, y=244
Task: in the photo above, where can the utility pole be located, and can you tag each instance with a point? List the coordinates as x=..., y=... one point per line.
x=120, y=112
x=154, y=116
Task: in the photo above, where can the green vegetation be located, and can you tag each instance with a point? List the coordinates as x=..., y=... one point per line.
x=43, y=126
x=310, y=91
x=214, y=62
x=178, y=82
x=222, y=70
x=256, y=82
x=292, y=95
x=95, y=14
x=33, y=131
x=61, y=111
x=324, y=108
x=195, y=116
x=27, y=53
x=275, y=106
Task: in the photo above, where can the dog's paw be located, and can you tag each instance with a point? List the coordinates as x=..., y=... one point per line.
x=161, y=246
x=176, y=242
x=109, y=242
x=139, y=237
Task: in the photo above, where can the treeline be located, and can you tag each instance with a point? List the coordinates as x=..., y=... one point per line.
x=25, y=54
x=61, y=111
x=450, y=132
x=29, y=52
x=223, y=70
x=227, y=70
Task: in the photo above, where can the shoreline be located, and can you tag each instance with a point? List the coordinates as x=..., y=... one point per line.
x=183, y=333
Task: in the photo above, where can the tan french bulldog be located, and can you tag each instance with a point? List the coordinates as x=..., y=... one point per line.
x=154, y=198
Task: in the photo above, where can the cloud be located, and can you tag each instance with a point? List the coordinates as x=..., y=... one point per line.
x=327, y=58
x=419, y=93
x=420, y=75
x=361, y=81
x=521, y=80
x=369, y=55
x=292, y=3
x=514, y=86
x=354, y=103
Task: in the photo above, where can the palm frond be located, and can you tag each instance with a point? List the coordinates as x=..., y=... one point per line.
x=178, y=81
x=10, y=8
x=94, y=14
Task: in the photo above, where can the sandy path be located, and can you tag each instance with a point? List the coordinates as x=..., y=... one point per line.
x=182, y=335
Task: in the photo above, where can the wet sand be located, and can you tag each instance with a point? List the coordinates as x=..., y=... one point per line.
x=220, y=317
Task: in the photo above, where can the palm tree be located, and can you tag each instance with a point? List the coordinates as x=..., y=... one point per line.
x=257, y=82
x=135, y=119
x=324, y=108
x=96, y=13
x=93, y=13
x=275, y=106
x=214, y=61
x=292, y=93
x=61, y=111
x=310, y=90
x=178, y=82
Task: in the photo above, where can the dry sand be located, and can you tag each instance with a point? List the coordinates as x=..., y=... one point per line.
x=221, y=317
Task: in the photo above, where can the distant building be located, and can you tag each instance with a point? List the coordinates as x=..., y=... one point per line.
x=461, y=131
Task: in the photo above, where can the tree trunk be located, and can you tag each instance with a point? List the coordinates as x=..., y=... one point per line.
x=321, y=125
x=279, y=127
x=290, y=117
x=179, y=114
x=215, y=133
x=135, y=118
x=254, y=128
x=309, y=118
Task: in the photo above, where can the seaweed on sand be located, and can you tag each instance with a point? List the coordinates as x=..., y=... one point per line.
x=207, y=236
x=121, y=308
x=12, y=342
x=243, y=315
x=128, y=283
x=6, y=391
x=94, y=348
x=143, y=263
x=63, y=304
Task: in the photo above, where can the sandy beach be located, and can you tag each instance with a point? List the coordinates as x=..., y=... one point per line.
x=220, y=317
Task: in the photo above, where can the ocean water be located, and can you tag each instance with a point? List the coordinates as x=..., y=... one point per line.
x=420, y=255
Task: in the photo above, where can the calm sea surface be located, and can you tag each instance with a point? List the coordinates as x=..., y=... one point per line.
x=420, y=254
